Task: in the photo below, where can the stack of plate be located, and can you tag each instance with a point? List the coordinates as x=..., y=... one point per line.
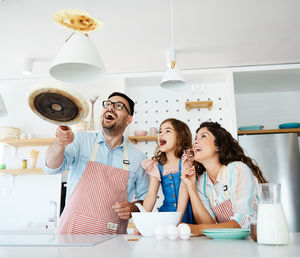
x=251, y=127
x=227, y=233
x=289, y=125
x=9, y=132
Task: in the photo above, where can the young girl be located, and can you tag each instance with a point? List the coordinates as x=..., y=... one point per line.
x=165, y=168
x=226, y=194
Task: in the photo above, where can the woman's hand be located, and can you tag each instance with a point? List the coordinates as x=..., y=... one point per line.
x=196, y=229
x=189, y=176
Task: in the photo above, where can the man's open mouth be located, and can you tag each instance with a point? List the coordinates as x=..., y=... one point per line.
x=110, y=116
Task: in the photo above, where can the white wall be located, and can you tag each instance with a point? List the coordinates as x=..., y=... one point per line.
x=24, y=200
x=269, y=109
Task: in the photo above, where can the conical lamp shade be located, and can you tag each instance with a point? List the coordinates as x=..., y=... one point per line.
x=172, y=78
x=78, y=61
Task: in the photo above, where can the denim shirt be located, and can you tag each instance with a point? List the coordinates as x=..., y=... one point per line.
x=78, y=153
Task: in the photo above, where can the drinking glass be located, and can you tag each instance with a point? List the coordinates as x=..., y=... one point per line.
x=253, y=227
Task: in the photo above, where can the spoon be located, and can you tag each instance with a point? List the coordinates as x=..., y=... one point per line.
x=93, y=100
x=140, y=207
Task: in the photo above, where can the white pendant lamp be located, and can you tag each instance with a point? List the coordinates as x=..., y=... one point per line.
x=78, y=61
x=173, y=77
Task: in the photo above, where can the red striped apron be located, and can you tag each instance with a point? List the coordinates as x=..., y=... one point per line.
x=223, y=211
x=89, y=208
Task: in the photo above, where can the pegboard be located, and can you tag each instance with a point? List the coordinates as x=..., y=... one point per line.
x=155, y=104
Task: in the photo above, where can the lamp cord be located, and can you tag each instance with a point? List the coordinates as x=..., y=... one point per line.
x=172, y=33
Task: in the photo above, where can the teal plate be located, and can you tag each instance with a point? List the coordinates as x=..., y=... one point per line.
x=289, y=125
x=227, y=233
x=251, y=127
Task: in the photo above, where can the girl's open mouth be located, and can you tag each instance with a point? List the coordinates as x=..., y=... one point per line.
x=162, y=142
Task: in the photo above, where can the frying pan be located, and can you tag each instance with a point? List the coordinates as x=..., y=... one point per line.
x=58, y=104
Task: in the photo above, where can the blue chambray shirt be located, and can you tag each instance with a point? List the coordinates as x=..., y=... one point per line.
x=78, y=153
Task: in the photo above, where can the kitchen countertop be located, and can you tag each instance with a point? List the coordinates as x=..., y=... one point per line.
x=119, y=246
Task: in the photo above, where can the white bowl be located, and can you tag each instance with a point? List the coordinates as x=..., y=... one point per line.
x=146, y=222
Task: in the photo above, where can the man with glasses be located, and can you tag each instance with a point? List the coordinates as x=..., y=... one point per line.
x=104, y=172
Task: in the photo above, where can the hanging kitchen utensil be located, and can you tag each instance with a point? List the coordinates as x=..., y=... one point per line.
x=93, y=100
x=58, y=104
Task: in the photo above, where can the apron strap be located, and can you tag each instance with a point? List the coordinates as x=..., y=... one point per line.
x=94, y=152
x=126, y=162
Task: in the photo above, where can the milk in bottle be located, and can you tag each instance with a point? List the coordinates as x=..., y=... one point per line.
x=272, y=228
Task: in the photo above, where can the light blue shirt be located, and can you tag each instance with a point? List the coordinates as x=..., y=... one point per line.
x=78, y=153
x=235, y=182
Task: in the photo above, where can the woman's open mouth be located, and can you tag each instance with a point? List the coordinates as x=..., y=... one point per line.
x=197, y=149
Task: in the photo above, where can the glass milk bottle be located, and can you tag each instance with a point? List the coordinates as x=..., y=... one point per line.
x=272, y=228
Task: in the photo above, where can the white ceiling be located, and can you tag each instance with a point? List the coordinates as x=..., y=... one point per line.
x=136, y=34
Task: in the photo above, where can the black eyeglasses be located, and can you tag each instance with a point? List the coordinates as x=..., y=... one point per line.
x=117, y=105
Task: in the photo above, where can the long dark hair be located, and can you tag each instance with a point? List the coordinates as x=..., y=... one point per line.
x=229, y=150
x=184, y=140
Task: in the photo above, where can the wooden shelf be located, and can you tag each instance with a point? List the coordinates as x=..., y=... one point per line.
x=29, y=171
x=136, y=139
x=291, y=130
x=199, y=104
x=28, y=142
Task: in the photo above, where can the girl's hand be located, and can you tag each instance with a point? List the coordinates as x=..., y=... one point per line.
x=188, y=157
x=190, y=154
x=189, y=176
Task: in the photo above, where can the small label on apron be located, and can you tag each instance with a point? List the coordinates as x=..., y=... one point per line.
x=112, y=226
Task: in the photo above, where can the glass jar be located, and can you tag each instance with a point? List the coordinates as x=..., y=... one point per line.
x=24, y=163
x=272, y=228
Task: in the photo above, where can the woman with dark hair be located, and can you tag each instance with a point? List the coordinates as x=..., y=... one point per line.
x=225, y=195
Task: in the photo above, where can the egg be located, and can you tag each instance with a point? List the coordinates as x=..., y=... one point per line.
x=160, y=232
x=184, y=231
x=172, y=232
